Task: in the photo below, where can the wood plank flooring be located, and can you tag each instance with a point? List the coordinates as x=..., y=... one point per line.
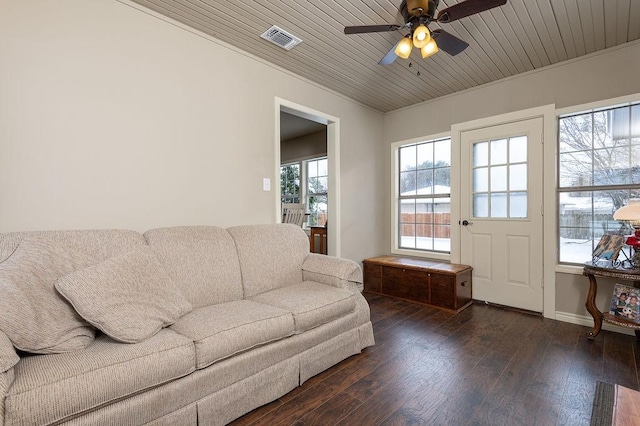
x=484, y=366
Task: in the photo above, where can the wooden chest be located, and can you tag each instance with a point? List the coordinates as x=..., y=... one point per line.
x=442, y=285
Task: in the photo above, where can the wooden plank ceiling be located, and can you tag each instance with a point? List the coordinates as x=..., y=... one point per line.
x=518, y=37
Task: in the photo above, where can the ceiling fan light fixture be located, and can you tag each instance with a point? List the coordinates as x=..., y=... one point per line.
x=403, y=49
x=421, y=36
x=429, y=49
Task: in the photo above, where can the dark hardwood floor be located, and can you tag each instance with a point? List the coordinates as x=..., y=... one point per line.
x=484, y=366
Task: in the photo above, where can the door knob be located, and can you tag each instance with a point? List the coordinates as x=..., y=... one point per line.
x=466, y=222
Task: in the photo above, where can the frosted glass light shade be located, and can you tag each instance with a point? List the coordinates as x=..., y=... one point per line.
x=403, y=49
x=429, y=49
x=421, y=36
x=630, y=212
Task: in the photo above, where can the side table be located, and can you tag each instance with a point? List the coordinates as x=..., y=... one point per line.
x=321, y=232
x=593, y=271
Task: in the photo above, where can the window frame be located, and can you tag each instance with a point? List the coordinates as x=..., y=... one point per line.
x=304, y=194
x=395, y=197
x=292, y=198
x=595, y=107
x=309, y=194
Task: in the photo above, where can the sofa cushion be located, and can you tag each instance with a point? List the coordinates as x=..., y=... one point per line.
x=129, y=297
x=271, y=256
x=51, y=388
x=8, y=355
x=98, y=244
x=34, y=316
x=201, y=260
x=222, y=330
x=311, y=303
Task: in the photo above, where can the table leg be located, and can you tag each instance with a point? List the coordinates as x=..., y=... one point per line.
x=591, y=307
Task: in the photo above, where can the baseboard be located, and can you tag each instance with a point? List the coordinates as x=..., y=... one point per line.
x=587, y=321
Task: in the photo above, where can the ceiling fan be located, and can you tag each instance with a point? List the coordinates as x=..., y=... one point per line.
x=417, y=15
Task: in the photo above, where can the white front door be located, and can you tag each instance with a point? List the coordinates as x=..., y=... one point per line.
x=501, y=212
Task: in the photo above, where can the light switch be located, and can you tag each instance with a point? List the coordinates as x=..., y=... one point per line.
x=266, y=184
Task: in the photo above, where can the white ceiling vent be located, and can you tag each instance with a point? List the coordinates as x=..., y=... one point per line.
x=280, y=37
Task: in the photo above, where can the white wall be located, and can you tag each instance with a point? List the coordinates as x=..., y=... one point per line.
x=111, y=117
x=304, y=147
x=604, y=75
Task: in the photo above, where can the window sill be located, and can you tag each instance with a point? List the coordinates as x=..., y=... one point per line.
x=569, y=269
x=423, y=254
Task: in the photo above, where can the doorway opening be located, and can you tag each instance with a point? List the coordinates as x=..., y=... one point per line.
x=307, y=171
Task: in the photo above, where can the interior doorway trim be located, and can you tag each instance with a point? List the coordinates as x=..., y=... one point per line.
x=333, y=159
x=549, y=244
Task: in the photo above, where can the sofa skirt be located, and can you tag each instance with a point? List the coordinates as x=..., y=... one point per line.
x=238, y=378
x=233, y=401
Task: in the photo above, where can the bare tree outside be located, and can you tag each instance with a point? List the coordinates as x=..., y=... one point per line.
x=290, y=183
x=599, y=158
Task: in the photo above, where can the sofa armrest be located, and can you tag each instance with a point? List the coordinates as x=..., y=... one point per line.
x=338, y=272
x=8, y=358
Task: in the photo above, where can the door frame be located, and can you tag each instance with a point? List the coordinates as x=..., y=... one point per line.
x=549, y=244
x=333, y=159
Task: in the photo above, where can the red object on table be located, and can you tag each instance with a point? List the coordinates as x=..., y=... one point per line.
x=634, y=240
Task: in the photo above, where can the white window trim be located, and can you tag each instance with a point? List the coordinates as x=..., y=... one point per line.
x=304, y=165
x=395, y=184
x=606, y=103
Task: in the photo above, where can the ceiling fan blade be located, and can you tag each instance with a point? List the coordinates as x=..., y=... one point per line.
x=390, y=57
x=466, y=8
x=358, y=29
x=448, y=42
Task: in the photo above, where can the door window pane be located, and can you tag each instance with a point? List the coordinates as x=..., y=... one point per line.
x=518, y=204
x=499, y=151
x=518, y=177
x=481, y=179
x=498, y=178
x=481, y=205
x=506, y=172
x=518, y=149
x=498, y=204
x=481, y=154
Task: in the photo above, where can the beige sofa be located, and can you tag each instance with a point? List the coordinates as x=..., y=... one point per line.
x=258, y=316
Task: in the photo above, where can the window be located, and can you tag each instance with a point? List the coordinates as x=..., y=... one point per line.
x=290, y=183
x=313, y=192
x=598, y=171
x=317, y=184
x=423, y=196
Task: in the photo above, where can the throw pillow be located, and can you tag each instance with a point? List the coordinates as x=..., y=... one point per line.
x=33, y=315
x=129, y=297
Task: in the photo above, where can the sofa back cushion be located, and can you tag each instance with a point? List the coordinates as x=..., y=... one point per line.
x=201, y=260
x=271, y=256
x=34, y=316
x=98, y=244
